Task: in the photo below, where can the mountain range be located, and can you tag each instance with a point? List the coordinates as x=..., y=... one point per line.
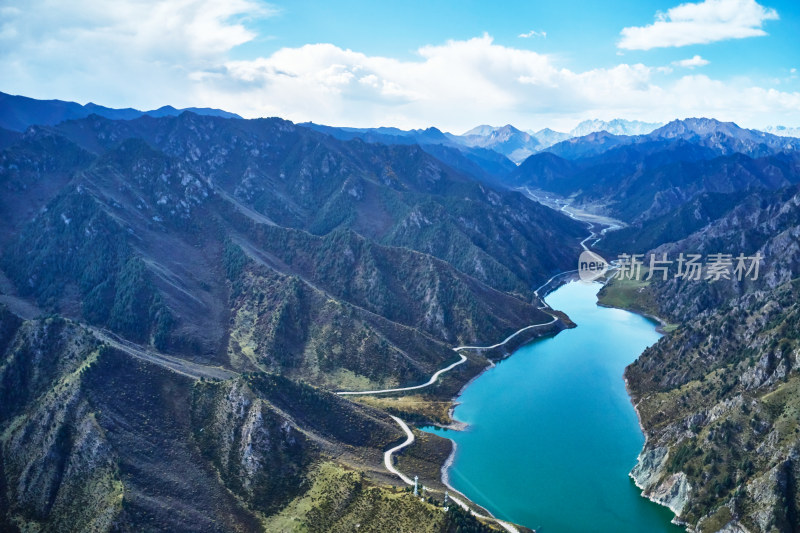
x=519, y=145
x=202, y=285
x=616, y=126
x=643, y=177
x=183, y=293
x=19, y=112
x=783, y=131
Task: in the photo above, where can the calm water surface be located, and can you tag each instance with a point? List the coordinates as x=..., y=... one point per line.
x=553, y=433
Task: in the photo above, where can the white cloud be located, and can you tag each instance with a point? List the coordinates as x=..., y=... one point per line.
x=87, y=47
x=462, y=83
x=705, y=22
x=533, y=33
x=692, y=62
x=126, y=58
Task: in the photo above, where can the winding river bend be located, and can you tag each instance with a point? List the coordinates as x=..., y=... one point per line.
x=552, y=433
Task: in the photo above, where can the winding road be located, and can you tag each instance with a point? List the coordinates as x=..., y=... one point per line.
x=388, y=459
x=185, y=367
x=388, y=455
x=402, y=389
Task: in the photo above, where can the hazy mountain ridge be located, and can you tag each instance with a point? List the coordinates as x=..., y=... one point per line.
x=507, y=140
x=724, y=138
x=483, y=163
x=17, y=113
x=518, y=145
x=783, y=131
x=515, y=144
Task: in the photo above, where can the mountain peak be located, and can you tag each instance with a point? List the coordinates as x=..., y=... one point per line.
x=696, y=126
x=509, y=127
x=483, y=130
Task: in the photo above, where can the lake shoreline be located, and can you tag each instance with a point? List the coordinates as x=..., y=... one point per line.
x=660, y=329
x=457, y=454
x=661, y=324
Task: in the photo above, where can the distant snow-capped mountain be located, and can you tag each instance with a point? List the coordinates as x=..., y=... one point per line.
x=617, y=126
x=548, y=137
x=515, y=144
x=721, y=138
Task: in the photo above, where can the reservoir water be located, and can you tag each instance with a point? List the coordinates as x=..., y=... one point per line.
x=552, y=433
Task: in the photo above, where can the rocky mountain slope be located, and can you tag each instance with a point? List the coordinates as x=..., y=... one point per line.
x=483, y=162
x=149, y=211
x=718, y=397
x=195, y=288
x=97, y=440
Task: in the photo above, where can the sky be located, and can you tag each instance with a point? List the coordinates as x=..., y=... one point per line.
x=414, y=64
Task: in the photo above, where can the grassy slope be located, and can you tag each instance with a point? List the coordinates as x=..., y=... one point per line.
x=632, y=294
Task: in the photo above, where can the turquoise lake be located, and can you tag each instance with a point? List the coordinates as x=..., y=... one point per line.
x=552, y=433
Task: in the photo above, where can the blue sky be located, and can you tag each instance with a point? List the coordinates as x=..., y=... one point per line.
x=451, y=64
x=584, y=34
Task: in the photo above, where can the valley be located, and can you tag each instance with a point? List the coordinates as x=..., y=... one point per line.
x=219, y=324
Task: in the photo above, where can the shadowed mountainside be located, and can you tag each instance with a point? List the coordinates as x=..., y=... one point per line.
x=196, y=286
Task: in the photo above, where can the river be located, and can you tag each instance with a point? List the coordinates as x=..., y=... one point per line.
x=552, y=433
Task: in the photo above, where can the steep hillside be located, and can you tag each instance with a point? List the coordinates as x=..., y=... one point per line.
x=767, y=224
x=306, y=180
x=487, y=164
x=201, y=285
x=144, y=223
x=96, y=439
x=672, y=226
x=717, y=397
